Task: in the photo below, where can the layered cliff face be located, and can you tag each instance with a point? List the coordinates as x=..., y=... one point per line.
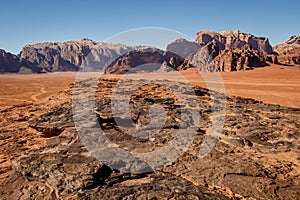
x=90, y=56
x=232, y=51
x=234, y=39
x=290, y=46
x=289, y=51
x=239, y=59
x=70, y=56
x=211, y=51
x=148, y=60
x=10, y=63
x=225, y=51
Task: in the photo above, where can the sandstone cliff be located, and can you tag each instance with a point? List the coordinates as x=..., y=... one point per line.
x=239, y=59
x=211, y=51
x=69, y=56
x=10, y=63
x=231, y=51
x=289, y=51
x=234, y=39
x=225, y=51
x=148, y=60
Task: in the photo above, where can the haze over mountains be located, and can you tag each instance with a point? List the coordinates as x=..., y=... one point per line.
x=211, y=51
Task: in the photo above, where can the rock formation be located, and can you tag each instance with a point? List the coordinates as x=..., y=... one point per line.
x=289, y=51
x=148, y=60
x=10, y=63
x=71, y=55
x=183, y=48
x=234, y=39
x=91, y=56
x=239, y=59
x=215, y=52
x=256, y=155
x=231, y=51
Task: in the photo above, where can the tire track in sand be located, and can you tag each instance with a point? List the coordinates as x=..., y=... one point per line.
x=35, y=97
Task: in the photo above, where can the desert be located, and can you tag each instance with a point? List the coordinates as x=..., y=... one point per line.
x=27, y=102
x=160, y=100
x=275, y=84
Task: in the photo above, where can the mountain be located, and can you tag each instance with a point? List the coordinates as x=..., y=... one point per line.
x=10, y=63
x=148, y=60
x=290, y=46
x=234, y=39
x=211, y=51
x=289, y=51
x=71, y=55
x=183, y=47
x=225, y=51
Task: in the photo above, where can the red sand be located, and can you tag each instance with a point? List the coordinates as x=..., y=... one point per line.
x=274, y=84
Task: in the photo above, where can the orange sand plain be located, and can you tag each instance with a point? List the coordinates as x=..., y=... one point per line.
x=274, y=84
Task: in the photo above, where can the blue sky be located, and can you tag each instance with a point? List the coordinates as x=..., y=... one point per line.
x=31, y=21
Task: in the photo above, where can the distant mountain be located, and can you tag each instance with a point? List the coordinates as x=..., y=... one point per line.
x=233, y=40
x=147, y=60
x=290, y=46
x=183, y=47
x=289, y=51
x=211, y=51
x=10, y=63
x=71, y=55
x=225, y=51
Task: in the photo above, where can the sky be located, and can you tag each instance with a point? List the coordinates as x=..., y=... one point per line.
x=34, y=21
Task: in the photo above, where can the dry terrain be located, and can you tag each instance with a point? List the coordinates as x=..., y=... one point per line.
x=42, y=157
x=46, y=146
x=275, y=84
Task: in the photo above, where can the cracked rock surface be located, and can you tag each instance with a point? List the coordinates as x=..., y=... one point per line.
x=255, y=157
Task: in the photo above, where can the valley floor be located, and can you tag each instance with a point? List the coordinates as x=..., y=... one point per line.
x=274, y=84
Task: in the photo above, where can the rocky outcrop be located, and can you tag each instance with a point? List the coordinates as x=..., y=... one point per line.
x=71, y=55
x=289, y=51
x=212, y=58
x=233, y=40
x=231, y=51
x=10, y=63
x=239, y=59
x=148, y=60
x=256, y=155
x=290, y=46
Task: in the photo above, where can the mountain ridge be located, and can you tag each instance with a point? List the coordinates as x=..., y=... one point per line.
x=88, y=55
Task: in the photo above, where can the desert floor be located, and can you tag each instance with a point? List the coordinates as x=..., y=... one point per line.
x=273, y=84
